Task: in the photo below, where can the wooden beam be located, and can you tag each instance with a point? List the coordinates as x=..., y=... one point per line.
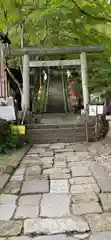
x=53, y=51
x=55, y=63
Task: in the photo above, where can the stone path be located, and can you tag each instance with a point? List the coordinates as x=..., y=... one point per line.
x=59, y=192
x=58, y=118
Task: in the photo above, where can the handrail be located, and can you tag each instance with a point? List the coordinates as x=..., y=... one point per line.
x=64, y=94
x=47, y=92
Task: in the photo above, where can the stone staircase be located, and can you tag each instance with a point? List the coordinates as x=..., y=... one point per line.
x=67, y=128
x=55, y=100
x=42, y=134
x=57, y=126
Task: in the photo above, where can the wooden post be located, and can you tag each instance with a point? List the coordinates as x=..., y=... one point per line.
x=84, y=76
x=6, y=85
x=26, y=83
x=86, y=127
x=2, y=70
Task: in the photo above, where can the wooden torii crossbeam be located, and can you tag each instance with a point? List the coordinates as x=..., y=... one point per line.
x=53, y=51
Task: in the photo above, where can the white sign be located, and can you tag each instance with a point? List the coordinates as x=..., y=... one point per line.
x=92, y=110
x=7, y=113
x=100, y=109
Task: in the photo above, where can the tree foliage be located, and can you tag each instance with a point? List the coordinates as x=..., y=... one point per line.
x=61, y=23
x=56, y=22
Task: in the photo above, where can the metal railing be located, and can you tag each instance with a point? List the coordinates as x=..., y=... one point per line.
x=64, y=94
x=47, y=92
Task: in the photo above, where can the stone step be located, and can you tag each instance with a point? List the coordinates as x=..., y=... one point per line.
x=54, y=96
x=51, y=140
x=60, y=130
x=55, y=103
x=54, y=109
x=62, y=126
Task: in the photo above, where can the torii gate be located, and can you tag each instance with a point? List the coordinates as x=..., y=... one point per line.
x=82, y=62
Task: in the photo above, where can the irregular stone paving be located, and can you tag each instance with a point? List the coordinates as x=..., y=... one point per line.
x=59, y=192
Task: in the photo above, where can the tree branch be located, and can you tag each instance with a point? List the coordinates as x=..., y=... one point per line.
x=90, y=15
x=97, y=2
x=14, y=79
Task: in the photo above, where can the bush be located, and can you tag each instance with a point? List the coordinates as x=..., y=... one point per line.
x=9, y=140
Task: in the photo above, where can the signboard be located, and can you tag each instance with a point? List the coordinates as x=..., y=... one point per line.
x=7, y=109
x=7, y=113
x=18, y=129
x=95, y=110
x=100, y=109
x=92, y=110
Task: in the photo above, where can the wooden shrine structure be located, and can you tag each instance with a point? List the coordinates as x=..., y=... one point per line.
x=31, y=51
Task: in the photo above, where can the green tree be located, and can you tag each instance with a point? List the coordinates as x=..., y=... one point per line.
x=61, y=23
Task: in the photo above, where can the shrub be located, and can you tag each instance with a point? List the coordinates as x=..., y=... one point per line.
x=9, y=140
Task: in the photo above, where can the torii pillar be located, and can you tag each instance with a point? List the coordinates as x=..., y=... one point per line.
x=26, y=83
x=84, y=76
x=2, y=70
